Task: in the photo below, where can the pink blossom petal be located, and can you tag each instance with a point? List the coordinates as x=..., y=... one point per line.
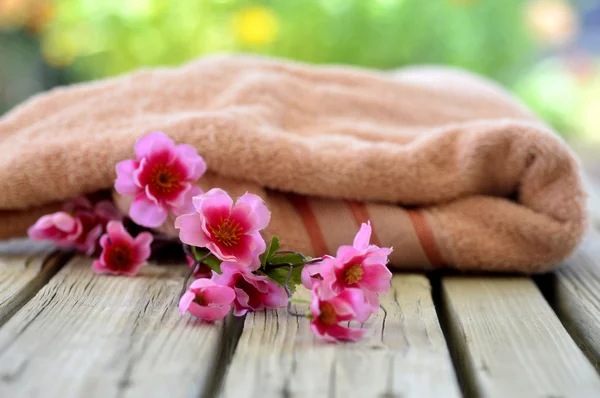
x=107, y=211
x=376, y=278
x=345, y=334
x=346, y=253
x=198, y=284
x=315, y=304
x=125, y=183
x=241, y=213
x=263, y=215
x=142, y=243
x=219, y=295
x=241, y=305
x=208, y=313
x=230, y=269
x=376, y=255
x=216, y=197
x=190, y=230
x=89, y=246
x=99, y=267
x=117, y=232
x=155, y=141
x=187, y=206
x=344, y=309
x=185, y=301
x=372, y=305
x=276, y=297
x=104, y=241
x=141, y=174
x=178, y=198
x=240, y=253
x=196, y=166
x=361, y=241
x=313, y=273
x=259, y=245
x=60, y=228
x=319, y=329
x=146, y=213
x=64, y=221
x=361, y=306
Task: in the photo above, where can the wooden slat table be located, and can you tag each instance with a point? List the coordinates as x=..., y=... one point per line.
x=66, y=332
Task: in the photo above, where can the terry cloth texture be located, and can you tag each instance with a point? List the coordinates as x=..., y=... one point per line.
x=450, y=169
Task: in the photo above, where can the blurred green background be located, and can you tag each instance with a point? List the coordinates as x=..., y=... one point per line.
x=546, y=51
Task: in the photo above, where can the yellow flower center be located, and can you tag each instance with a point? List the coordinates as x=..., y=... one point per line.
x=327, y=316
x=164, y=179
x=353, y=274
x=227, y=233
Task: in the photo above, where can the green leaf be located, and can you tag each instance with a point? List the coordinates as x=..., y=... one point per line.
x=271, y=250
x=214, y=263
x=279, y=274
x=291, y=258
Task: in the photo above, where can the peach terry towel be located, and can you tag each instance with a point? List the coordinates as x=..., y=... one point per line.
x=450, y=169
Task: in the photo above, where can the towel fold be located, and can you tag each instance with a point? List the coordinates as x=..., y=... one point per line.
x=451, y=170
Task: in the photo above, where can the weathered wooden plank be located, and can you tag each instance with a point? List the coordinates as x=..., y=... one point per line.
x=576, y=296
x=509, y=343
x=25, y=267
x=85, y=335
x=402, y=354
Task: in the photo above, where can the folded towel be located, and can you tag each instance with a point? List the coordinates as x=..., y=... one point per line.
x=451, y=171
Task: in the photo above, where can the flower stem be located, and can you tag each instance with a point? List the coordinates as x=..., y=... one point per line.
x=192, y=252
x=289, y=293
x=297, y=300
x=303, y=263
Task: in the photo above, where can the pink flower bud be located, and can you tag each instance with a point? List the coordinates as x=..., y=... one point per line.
x=207, y=300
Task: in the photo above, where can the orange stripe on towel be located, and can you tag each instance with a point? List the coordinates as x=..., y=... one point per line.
x=426, y=238
x=303, y=208
x=361, y=215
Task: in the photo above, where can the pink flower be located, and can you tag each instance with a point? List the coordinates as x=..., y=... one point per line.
x=161, y=179
x=327, y=314
x=60, y=228
x=230, y=232
x=121, y=253
x=202, y=271
x=79, y=226
x=360, y=266
x=93, y=220
x=311, y=273
x=252, y=292
x=207, y=300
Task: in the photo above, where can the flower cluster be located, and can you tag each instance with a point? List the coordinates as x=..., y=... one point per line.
x=78, y=226
x=347, y=286
x=231, y=233
x=234, y=268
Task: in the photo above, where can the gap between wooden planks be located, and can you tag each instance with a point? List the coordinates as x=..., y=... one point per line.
x=25, y=267
x=102, y=336
x=507, y=341
x=575, y=288
x=403, y=353
x=575, y=294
